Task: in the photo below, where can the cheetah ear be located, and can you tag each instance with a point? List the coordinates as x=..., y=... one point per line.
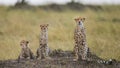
x=27, y=42
x=22, y=41
x=83, y=19
x=47, y=24
x=76, y=19
x=40, y=25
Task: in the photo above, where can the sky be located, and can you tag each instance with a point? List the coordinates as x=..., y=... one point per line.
x=41, y=2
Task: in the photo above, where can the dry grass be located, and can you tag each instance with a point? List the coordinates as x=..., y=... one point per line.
x=103, y=33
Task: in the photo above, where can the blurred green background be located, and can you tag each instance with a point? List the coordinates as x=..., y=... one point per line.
x=22, y=21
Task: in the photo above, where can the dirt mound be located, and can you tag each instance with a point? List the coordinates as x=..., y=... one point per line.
x=60, y=59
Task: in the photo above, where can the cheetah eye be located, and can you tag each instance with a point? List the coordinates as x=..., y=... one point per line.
x=20, y=44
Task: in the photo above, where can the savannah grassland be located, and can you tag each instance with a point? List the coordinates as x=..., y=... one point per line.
x=102, y=30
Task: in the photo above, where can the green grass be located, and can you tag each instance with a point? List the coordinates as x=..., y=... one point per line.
x=103, y=33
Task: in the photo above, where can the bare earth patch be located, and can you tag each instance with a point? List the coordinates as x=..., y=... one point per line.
x=60, y=59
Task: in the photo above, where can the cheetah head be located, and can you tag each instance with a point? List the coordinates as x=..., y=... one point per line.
x=44, y=27
x=24, y=44
x=79, y=20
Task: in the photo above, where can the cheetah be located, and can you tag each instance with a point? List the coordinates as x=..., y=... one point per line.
x=80, y=48
x=26, y=52
x=43, y=50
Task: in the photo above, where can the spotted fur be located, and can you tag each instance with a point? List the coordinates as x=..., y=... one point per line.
x=26, y=52
x=80, y=48
x=43, y=50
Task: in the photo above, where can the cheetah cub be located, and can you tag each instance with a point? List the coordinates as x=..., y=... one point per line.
x=26, y=53
x=80, y=48
x=43, y=50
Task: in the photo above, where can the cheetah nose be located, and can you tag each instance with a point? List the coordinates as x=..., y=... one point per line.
x=79, y=23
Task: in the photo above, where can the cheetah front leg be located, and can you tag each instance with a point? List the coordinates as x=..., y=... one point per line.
x=21, y=56
x=47, y=53
x=29, y=55
x=84, y=56
x=39, y=54
x=76, y=57
x=76, y=53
